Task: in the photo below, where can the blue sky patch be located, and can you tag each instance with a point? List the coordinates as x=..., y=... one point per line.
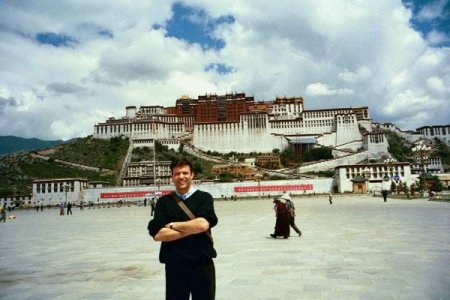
x=219, y=68
x=97, y=29
x=430, y=15
x=195, y=26
x=54, y=39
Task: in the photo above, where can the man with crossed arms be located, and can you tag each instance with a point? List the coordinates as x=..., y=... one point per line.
x=186, y=250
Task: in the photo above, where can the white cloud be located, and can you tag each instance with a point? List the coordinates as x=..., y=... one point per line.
x=432, y=10
x=435, y=37
x=357, y=52
x=363, y=73
x=322, y=89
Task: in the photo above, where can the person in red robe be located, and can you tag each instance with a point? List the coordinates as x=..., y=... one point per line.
x=282, y=219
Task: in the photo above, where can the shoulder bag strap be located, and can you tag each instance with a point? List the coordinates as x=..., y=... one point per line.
x=188, y=212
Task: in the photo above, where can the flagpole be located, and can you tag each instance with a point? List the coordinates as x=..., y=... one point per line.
x=154, y=161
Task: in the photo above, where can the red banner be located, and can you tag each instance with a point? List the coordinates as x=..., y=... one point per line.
x=273, y=188
x=136, y=194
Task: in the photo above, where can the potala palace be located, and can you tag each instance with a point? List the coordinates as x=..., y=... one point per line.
x=236, y=122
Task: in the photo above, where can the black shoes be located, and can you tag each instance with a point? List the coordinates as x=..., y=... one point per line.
x=274, y=236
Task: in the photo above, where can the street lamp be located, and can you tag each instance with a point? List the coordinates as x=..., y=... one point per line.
x=258, y=177
x=390, y=162
x=421, y=152
x=66, y=189
x=366, y=173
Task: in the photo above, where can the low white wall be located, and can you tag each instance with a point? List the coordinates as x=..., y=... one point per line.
x=217, y=190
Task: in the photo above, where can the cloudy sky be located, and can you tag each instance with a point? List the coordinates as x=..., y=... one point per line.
x=66, y=65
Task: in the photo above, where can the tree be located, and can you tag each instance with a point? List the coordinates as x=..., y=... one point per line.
x=435, y=184
x=397, y=148
x=198, y=169
x=288, y=155
x=393, y=187
x=317, y=154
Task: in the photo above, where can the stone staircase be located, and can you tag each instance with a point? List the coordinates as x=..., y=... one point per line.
x=126, y=161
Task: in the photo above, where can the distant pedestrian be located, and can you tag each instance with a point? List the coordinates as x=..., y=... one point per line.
x=37, y=207
x=145, y=202
x=282, y=219
x=69, y=208
x=3, y=213
x=152, y=205
x=61, y=209
x=384, y=193
x=330, y=198
x=291, y=209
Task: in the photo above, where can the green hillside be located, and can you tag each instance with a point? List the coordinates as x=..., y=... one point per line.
x=17, y=171
x=106, y=154
x=11, y=144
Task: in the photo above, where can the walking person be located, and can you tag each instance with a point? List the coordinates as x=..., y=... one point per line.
x=61, y=209
x=282, y=219
x=384, y=193
x=330, y=198
x=152, y=206
x=145, y=202
x=3, y=213
x=69, y=208
x=186, y=249
x=291, y=209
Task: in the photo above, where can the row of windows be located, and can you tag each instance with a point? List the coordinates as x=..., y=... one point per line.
x=56, y=187
x=377, y=175
x=324, y=114
x=376, y=169
x=138, y=127
x=436, y=131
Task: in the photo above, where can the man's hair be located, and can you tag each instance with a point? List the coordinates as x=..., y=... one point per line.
x=180, y=162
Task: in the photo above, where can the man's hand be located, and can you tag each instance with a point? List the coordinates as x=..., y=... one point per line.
x=177, y=230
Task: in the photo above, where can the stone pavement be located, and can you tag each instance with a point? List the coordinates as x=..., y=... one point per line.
x=356, y=248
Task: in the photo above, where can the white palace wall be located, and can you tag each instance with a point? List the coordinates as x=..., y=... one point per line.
x=140, y=130
x=251, y=134
x=270, y=188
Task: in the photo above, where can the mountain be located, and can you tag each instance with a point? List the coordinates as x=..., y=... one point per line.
x=11, y=144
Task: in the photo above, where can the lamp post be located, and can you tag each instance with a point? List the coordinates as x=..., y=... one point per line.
x=65, y=188
x=158, y=185
x=366, y=173
x=258, y=177
x=390, y=163
x=421, y=152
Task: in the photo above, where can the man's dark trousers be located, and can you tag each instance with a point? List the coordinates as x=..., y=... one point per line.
x=200, y=280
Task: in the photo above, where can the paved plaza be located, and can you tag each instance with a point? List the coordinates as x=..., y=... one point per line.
x=356, y=248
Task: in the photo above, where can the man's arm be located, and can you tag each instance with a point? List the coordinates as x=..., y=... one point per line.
x=177, y=230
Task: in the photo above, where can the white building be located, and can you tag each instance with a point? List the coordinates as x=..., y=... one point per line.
x=362, y=178
x=148, y=173
x=257, y=130
x=441, y=132
x=16, y=201
x=55, y=191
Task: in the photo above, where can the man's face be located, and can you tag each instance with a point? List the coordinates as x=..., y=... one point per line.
x=182, y=178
